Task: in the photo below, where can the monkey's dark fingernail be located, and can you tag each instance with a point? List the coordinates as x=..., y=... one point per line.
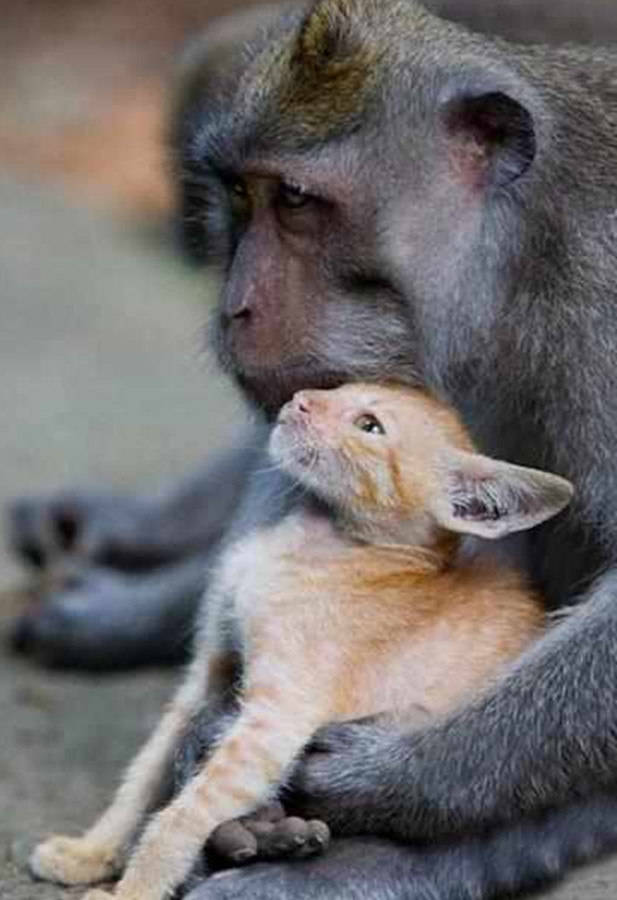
x=319, y=836
x=242, y=855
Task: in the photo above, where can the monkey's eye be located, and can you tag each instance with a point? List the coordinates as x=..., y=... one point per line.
x=370, y=424
x=239, y=198
x=238, y=191
x=292, y=196
x=237, y=188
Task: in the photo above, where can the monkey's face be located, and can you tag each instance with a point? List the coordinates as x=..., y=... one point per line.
x=304, y=301
x=354, y=228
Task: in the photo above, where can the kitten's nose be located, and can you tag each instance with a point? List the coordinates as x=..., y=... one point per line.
x=301, y=403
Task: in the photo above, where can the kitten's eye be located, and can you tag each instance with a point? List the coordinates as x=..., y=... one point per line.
x=292, y=196
x=370, y=424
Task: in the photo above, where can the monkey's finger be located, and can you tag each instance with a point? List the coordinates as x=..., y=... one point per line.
x=234, y=842
x=319, y=837
x=289, y=837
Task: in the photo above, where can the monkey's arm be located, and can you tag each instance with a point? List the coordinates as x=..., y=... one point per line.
x=523, y=856
x=543, y=737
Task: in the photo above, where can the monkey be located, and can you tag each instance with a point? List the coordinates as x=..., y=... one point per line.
x=483, y=254
x=462, y=241
x=144, y=558
x=354, y=604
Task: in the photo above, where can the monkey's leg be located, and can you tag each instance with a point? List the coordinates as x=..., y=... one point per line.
x=518, y=858
x=99, y=618
x=113, y=620
x=98, y=854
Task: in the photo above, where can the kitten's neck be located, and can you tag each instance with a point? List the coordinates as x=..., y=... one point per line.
x=419, y=536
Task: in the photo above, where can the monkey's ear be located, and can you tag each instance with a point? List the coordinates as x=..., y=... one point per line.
x=490, y=498
x=491, y=136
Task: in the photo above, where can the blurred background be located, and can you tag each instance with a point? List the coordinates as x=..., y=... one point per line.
x=105, y=379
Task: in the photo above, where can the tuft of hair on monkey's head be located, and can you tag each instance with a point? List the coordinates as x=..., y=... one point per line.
x=399, y=465
x=321, y=81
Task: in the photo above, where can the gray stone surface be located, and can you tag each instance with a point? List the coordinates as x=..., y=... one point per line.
x=102, y=381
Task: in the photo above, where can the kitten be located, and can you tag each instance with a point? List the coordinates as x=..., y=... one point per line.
x=357, y=603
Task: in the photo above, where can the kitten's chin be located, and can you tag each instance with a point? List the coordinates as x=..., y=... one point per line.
x=289, y=450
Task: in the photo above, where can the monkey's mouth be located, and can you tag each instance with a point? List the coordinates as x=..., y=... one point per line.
x=272, y=388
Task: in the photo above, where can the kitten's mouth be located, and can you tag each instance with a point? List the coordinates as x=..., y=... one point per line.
x=294, y=437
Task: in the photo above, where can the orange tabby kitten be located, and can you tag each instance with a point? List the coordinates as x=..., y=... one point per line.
x=354, y=604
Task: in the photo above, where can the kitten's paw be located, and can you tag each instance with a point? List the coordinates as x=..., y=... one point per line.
x=98, y=894
x=67, y=860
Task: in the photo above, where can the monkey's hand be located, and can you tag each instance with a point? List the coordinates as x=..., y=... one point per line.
x=68, y=860
x=268, y=834
x=351, y=777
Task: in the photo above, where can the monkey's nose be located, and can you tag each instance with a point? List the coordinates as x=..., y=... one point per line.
x=241, y=312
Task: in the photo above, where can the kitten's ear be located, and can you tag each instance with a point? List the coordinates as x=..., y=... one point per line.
x=490, y=498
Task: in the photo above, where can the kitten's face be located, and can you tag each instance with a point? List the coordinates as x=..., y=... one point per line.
x=366, y=448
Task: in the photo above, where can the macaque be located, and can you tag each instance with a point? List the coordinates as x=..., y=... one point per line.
x=357, y=603
x=391, y=196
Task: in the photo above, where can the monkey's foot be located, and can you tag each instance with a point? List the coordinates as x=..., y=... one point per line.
x=107, y=528
x=107, y=619
x=67, y=860
x=269, y=834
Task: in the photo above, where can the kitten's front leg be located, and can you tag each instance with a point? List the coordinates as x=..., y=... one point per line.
x=248, y=765
x=98, y=855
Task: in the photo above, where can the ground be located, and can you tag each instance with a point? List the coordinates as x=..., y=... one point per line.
x=103, y=382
